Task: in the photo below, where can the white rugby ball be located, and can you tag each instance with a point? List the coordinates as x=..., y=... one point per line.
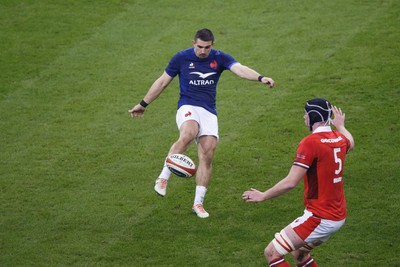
x=181, y=165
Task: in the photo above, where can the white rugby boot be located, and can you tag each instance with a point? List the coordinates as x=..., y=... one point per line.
x=200, y=211
x=161, y=186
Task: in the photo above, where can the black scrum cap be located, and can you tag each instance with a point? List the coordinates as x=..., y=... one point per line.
x=318, y=110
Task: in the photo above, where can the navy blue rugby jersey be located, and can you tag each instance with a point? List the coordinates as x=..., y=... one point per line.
x=198, y=77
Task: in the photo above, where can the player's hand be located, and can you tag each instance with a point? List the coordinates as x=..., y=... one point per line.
x=268, y=81
x=339, y=117
x=137, y=111
x=253, y=195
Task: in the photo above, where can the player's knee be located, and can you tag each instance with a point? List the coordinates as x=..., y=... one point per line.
x=303, y=254
x=282, y=244
x=186, y=138
x=270, y=253
x=183, y=142
x=188, y=131
x=300, y=255
x=278, y=247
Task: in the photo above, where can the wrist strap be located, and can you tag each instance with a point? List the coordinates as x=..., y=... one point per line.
x=260, y=78
x=143, y=103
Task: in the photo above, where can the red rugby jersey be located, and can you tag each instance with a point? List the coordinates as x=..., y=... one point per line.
x=323, y=154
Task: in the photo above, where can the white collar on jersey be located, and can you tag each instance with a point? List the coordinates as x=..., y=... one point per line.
x=323, y=129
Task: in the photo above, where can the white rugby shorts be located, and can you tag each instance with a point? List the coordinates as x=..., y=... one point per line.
x=305, y=233
x=208, y=122
x=313, y=229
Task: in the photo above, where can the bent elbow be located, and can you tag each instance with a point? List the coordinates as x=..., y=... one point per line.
x=352, y=144
x=290, y=186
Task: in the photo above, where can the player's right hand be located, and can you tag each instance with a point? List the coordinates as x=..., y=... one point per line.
x=339, y=117
x=137, y=111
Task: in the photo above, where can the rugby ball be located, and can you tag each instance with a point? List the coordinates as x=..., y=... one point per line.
x=181, y=165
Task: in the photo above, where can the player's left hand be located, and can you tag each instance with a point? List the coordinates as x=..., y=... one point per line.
x=253, y=195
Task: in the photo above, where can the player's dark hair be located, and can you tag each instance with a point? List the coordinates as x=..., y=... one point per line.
x=318, y=110
x=205, y=35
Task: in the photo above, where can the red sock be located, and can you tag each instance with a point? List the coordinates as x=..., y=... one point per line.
x=279, y=262
x=310, y=262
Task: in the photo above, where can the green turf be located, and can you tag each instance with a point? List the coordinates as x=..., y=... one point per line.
x=76, y=173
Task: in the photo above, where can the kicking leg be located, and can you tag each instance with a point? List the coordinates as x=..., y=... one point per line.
x=187, y=133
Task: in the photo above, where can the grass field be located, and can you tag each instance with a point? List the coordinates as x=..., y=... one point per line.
x=77, y=173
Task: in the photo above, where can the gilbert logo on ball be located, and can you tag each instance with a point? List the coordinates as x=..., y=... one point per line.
x=181, y=165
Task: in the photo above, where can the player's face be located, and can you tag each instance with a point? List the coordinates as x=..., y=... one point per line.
x=201, y=48
x=306, y=119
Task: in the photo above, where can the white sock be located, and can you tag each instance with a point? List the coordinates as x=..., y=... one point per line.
x=200, y=194
x=165, y=173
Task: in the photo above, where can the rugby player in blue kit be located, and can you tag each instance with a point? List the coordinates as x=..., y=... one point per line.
x=199, y=69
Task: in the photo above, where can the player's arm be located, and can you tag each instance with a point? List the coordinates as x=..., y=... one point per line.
x=296, y=173
x=250, y=74
x=155, y=90
x=338, y=121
